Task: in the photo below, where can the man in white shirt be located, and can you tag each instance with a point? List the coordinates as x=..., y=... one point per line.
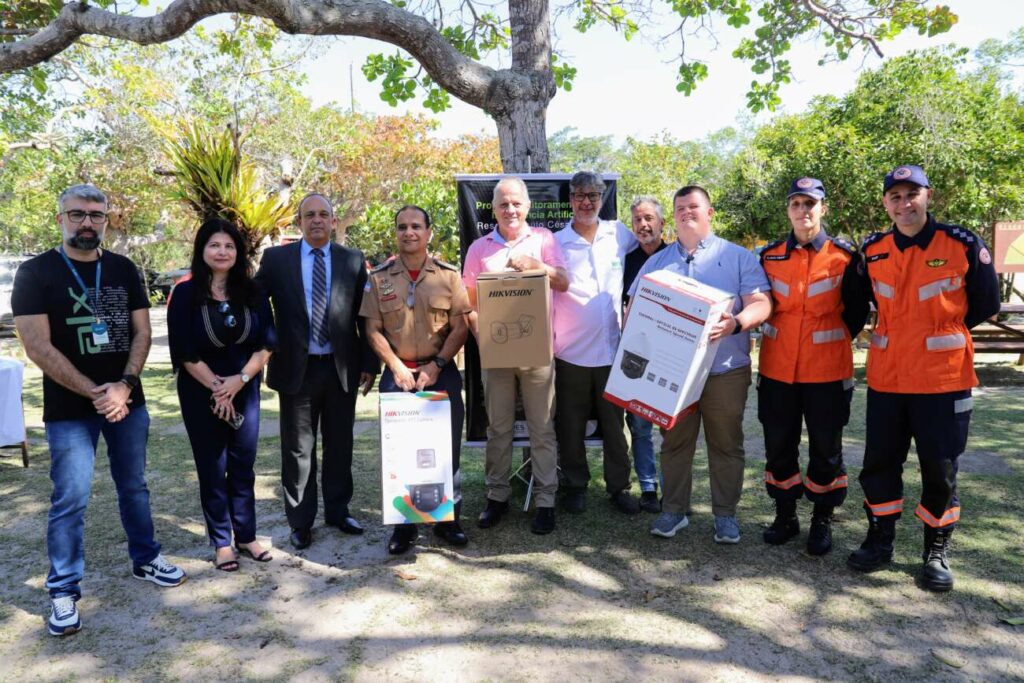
x=587, y=322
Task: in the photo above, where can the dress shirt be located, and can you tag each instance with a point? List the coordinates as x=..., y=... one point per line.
x=587, y=317
x=490, y=253
x=315, y=348
x=723, y=265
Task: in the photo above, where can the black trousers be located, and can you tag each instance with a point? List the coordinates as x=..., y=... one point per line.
x=938, y=423
x=578, y=391
x=319, y=405
x=782, y=409
x=449, y=381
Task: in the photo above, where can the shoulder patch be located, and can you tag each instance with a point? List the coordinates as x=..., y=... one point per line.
x=958, y=233
x=446, y=266
x=845, y=245
x=871, y=239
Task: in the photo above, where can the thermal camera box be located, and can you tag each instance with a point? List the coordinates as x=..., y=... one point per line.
x=416, y=458
x=514, y=319
x=664, y=356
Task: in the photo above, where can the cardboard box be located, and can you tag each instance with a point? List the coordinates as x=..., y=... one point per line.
x=514, y=319
x=416, y=458
x=664, y=356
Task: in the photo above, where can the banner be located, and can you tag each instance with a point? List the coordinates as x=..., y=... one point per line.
x=549, y=208
x=1008, y=246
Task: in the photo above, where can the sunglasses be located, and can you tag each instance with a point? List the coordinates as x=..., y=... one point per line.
x=224, y=308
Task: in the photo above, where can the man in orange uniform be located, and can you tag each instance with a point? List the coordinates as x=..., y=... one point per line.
x=931, y=283
x=805, y=372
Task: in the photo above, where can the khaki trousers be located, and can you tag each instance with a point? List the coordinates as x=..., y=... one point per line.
x=537, y=386
x=721, y=409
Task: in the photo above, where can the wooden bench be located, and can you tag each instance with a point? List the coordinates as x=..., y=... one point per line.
x=998, y=337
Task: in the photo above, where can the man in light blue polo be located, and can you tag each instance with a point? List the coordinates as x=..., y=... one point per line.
x=707, y=258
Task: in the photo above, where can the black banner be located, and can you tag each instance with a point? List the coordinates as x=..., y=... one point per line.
x=549, y=208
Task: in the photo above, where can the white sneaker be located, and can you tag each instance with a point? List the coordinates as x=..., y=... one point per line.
x=64, y=619
x=159, y=571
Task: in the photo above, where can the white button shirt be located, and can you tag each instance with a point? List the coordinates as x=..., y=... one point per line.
x=587, y=318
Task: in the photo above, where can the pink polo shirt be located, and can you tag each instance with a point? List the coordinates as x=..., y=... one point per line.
x=490, y=253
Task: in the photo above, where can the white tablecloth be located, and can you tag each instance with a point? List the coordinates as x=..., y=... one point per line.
x=12, y=419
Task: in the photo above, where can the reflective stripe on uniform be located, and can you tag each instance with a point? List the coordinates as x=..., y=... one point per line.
x=882, y=289
x=826, y=336
x=893, y=507
x=963, y=405
x=785, y=484
x=938, y=287
x=769, y=331
x=780, y=287
x=879, y=340
x=822, y=286
x=839, y=482
x=946, y=342
x=951, y=516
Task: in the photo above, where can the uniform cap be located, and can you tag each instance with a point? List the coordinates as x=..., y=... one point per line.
x=812, y=187
x=905, y=174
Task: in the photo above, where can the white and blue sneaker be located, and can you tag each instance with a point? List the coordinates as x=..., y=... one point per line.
x=668, y=523
x=64, y=619
x=727, y=529
x=159, y=571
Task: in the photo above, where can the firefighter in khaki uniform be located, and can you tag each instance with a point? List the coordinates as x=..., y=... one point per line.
x=415, y=309
x=805, y=371
x=931, y=283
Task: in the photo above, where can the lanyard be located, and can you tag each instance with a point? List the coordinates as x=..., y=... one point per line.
x=99, y=267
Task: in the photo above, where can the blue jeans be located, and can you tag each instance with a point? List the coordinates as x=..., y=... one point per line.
x=640, y=431
x=73, y=453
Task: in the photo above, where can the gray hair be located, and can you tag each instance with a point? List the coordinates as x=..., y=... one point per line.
x=327, y=200
x=648, y=199
x=511, y=180
x=585, y=179
x=85, y=191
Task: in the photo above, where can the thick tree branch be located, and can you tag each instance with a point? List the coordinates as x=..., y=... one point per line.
x=835, y=21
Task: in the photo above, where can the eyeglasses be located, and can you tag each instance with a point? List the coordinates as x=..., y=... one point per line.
x=592, y=197
x=76, y=216
x=224, y=308
x=410, y=299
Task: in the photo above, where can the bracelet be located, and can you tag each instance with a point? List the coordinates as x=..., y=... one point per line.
x=739, y=327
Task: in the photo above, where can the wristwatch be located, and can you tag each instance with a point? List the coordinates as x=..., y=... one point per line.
x=131, y=381
x=245, y=378
x=440, y=362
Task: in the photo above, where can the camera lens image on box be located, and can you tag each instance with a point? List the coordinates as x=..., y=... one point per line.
x=416, y=462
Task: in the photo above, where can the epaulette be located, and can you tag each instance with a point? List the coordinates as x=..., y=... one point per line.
x=872, y=238
x=384, y=266
x=446, y=266
x=771, y=245
x=958, y=233
x=846, y=245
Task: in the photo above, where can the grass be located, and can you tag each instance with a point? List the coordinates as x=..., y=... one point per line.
x=599, y=599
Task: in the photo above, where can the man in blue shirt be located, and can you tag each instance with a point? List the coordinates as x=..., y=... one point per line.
x=707, y=258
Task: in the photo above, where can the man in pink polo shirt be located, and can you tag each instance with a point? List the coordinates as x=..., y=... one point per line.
x=517, y=246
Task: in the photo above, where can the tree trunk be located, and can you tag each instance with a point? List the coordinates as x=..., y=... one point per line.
x=522, y=137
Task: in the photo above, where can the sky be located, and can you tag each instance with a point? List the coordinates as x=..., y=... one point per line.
x=628, y=89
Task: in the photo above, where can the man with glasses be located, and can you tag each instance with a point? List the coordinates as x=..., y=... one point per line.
x=587, y=325
x=415, y=309
x=83, y=316
x=316, y=288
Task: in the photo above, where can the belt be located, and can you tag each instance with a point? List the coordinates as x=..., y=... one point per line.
x=321, y=356
x=413, y=364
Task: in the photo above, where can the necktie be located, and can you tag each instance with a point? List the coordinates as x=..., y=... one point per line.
x=319, y=317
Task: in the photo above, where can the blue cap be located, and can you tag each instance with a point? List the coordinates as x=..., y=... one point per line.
x=905, y=174
x=811, y=187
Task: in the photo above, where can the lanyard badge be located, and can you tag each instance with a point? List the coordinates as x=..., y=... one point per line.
x=100, y=333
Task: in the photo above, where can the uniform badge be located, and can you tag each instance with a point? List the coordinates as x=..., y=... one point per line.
x=804, y=183
x=902, y=173
x=936, y=263
x=985, y=256
x=387, y=287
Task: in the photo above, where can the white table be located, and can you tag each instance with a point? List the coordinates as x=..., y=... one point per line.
x=12, y=414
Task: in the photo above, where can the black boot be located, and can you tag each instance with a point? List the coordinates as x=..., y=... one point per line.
x=785, y=526
x=876, y=550
x=819, y=538
x=936, y=575
x=451, y=532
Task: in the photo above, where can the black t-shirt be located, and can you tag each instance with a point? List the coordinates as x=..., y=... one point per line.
x=45, y=285
x=635, y=260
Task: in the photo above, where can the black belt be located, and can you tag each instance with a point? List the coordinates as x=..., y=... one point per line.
x=321, y=356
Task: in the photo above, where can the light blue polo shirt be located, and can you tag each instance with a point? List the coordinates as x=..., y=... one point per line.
x=722, y=265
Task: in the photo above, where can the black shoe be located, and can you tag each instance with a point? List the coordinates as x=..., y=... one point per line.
x=301, y=538
x=876, y=550
x=349, y=525
x=402, y=538
x=543, y=521
x=649, y=502
x=575, y=501
x=451, y=533
x=819, y=538
x=935, y=574
x=625, y=503
x=785, y=526
x=492, y=514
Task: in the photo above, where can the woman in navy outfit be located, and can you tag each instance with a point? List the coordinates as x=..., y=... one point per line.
x=221, y=334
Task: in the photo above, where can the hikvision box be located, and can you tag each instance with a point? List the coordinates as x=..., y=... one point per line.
x=416, y=458
x=664, y=357
x=514, y=319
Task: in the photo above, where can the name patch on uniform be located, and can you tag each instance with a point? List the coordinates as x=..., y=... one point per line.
x=389, y=297
x=877, y=257
x=936, y=263
x=776, y=257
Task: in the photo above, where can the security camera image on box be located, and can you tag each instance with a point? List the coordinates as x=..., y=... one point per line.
x=501, y=332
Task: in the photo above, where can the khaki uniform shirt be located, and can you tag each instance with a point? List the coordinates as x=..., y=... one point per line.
x=415, y=333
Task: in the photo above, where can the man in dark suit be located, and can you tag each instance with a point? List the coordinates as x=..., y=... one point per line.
x=316, y=288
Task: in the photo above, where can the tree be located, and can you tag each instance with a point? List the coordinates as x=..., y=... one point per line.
x=452, y=46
